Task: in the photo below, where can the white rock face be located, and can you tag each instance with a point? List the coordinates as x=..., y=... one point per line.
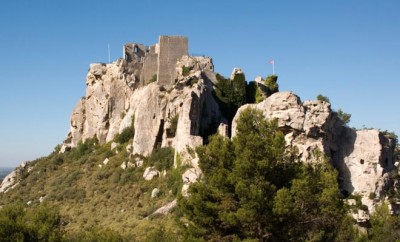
x=150, y=173
x=8, y=181
x=367, y=157
x=363, y=158
x=190, y=176
x=113, y=97
x=100, y=112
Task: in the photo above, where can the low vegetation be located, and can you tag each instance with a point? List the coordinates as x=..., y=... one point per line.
x=153, y=78
x=186, y=70
x=323, y=98
x=127, y=134
x=94, y=201
x=252, y=189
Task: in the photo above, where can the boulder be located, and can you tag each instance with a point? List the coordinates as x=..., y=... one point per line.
x=166, y=208
x=126, y=165
x=190, y=176
x=155, y=192
x=150, y=173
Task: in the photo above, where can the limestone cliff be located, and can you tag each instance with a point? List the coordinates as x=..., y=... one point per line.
x=181, y=89
x=169, y=97
x=364, y=158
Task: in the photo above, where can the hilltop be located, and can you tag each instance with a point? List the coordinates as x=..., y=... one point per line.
x=144, y=138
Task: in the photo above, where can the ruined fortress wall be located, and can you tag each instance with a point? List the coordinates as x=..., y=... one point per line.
x=133, y=51
x=150, y=65
x=171, y=48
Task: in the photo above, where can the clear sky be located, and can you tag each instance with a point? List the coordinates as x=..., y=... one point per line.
x=348, y=50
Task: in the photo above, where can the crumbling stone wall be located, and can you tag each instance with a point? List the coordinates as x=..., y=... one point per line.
x=134, y=52
x=150, y=65
x=171, y=49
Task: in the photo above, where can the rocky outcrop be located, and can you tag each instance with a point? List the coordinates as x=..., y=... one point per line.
x=190, y=176
x=150, y=173
x=10, y=181
x=178, y=115
x=363, y=158
x=171, y=104
x=166, y=208
x=304, y=125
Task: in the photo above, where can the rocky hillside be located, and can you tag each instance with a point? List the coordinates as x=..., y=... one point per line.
x=130, y=149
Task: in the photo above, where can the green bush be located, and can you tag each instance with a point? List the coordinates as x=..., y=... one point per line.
x=162, y=235
x=95, y=235
x=272, y=83
x=162, y=158
x=173, y=125
x=18, y=223
x=345, y=117
x=323, y=98
x=186, y=70
x=84, y=148
x=153, y=78
x=126, y=134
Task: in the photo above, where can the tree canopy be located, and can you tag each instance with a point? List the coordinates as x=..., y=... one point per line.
x=253, y=189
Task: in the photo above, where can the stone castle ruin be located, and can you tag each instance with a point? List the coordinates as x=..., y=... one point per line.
x=156, y=62
x=168, y=95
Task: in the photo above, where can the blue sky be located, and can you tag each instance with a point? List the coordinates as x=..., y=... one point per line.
x=348, y=50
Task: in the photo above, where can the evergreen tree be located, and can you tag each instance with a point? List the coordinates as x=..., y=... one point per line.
x=252, y=189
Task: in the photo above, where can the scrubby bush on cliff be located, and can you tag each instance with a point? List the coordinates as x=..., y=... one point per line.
x=230, y=94
x=323, y=98
x=345, y=117
x=272, y=84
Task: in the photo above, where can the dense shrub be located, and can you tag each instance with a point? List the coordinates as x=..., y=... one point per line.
x=272, y=84
x=18, y=223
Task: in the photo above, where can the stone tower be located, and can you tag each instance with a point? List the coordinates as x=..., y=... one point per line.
x=171, y=48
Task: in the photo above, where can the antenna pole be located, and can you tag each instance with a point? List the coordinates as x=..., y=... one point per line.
x=109, y=58
x=272, y=62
